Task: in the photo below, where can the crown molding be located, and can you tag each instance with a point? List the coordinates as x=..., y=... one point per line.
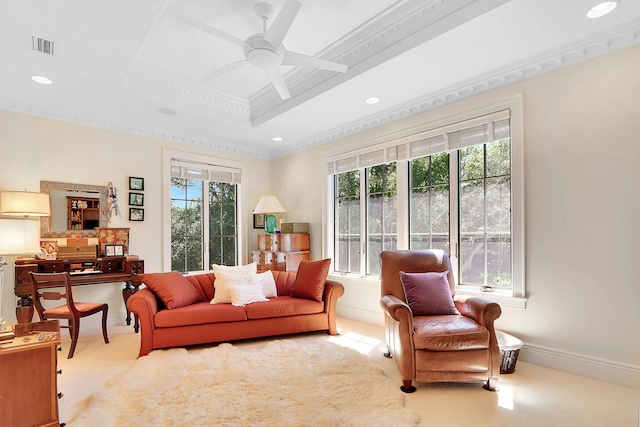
x=394, y=31
x=608, y=41
x=129, y=128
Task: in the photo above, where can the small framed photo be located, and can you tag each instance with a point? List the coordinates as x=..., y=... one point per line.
x=136, y=199
x=136, y=214
x=258, y=220
x=118, y=250
x=136, y=183
x=109, y=250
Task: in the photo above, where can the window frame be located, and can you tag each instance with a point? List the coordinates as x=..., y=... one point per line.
x=399, y=137
x=167, y=156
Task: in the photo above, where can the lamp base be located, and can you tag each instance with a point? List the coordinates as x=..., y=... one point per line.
x=270, y=224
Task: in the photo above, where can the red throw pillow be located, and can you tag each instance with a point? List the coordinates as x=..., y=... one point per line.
x=310, y=279
x=172, y=288
x=428, y=293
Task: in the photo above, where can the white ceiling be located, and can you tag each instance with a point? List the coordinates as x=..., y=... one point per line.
x=117, y=63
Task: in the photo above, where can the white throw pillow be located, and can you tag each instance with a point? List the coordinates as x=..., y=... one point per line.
x=228, y=277
x=269, y=289
x=247, y=293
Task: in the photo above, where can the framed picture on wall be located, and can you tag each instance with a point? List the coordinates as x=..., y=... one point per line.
x=136, y=214
x=258, y=220
x=136, y=183
x=136, y=199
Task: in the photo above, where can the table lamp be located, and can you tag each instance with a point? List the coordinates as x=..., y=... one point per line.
x=269, y=205
x=19, y=234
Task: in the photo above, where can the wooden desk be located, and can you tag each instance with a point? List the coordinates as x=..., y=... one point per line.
x=111, y=270
x=29, y=386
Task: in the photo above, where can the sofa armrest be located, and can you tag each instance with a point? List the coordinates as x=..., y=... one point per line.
x=483, y=311
x=332, y=291
x=144, y=305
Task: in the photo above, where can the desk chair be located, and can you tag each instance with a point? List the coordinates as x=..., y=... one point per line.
x=72, y=311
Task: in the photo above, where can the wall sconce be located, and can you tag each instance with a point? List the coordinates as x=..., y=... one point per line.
x=269, y=205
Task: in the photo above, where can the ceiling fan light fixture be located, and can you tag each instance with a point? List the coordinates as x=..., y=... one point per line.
x=602, y=9
x=265, y=59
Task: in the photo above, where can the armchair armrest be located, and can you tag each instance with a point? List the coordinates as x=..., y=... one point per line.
x=483, y=311
x=395, y=308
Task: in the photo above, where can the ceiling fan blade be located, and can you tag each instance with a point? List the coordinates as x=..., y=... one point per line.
x=278, y=82
x=224, y=69
x=293, y=58
x=278, y=30
x=213, y=31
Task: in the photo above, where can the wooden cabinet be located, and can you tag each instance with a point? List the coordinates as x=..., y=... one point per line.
x=29, y=386
x=282, y=252
x=83, y=213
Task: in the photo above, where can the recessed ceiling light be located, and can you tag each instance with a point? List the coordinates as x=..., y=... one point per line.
x=602, y=9
x=276, y=139
x=168, y=111
x=42, y=80
x=372, y=100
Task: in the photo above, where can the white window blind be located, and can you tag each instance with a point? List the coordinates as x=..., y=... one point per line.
x=205, y=172
x=479, y=130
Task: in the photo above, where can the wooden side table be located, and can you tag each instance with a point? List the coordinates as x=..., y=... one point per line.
x=28, y=372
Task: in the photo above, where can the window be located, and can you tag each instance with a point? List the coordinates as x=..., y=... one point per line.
x=429, y=202
x=381, y=213
x=449, y=187
x=204, y=224
x=347, y=213
x=189, y=200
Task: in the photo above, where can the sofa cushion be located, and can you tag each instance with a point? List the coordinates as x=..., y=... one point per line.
x=310, y=279
x=228, y=276
x=283, y=306
x=448, y=332
x=246, y=293
x=172, y=289
x=199, y=313
x=268, y=282
x=428, y=293
x=203, y=281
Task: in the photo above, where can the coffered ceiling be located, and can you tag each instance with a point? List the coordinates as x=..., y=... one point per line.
x=132, y=66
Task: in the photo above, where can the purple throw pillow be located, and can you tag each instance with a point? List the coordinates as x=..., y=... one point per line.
x=428, y=293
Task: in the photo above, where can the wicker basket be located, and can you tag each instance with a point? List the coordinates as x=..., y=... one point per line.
x=509, y=349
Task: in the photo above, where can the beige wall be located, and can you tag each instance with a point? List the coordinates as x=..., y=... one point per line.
x=34, y=149
x=581, y=127
x=582, y=146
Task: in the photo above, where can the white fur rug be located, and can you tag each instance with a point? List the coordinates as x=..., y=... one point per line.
x=283, y=384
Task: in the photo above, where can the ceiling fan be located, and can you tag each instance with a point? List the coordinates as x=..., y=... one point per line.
x=265, y=50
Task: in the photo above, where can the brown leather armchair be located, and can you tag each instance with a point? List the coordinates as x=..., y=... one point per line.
x=437, y=348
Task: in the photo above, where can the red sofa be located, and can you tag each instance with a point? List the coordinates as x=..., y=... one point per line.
x=202, y=322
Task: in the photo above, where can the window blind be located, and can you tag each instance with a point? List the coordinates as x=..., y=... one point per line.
x=479, y=130
x=205, y=172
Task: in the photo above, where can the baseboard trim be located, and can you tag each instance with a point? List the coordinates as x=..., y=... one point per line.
x=365, y=316
x=621, y=374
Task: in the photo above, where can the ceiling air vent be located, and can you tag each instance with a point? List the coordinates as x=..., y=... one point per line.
x=42, y=45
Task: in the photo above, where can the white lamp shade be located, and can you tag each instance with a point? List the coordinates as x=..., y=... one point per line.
x=24, y=203
x=19, y=236
x=267, y=205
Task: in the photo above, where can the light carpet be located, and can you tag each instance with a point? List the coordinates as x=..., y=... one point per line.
x=282, y=384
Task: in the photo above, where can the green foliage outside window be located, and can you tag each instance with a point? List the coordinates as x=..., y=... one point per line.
x=187, y=224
